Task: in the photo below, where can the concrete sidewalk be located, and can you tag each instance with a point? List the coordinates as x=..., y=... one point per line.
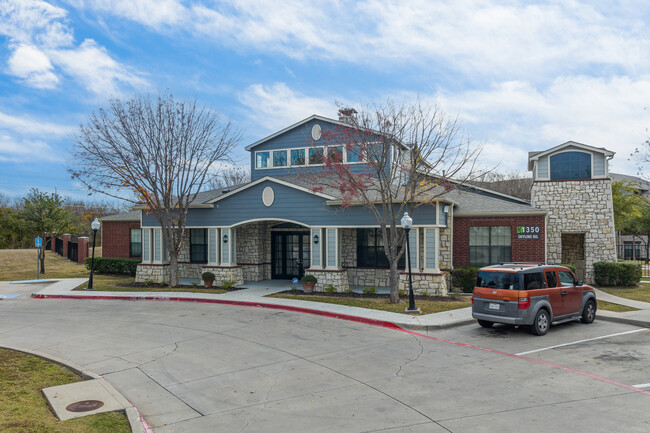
x=256, y=297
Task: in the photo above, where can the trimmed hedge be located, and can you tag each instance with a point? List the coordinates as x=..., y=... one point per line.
x=105, y=265
x=465, y=277
x=617, y=274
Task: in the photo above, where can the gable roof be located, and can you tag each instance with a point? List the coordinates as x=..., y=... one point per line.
x=308, y=119
x=534, y=156
x=295, y=125
x=132, y=215
x=277, y=180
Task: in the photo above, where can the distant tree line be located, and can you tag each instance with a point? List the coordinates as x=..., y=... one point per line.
x=24, y=218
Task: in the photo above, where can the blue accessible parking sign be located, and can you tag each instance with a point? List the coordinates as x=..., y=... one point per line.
x=38, y=242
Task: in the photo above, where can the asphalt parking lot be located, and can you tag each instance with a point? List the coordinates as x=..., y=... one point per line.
x=218, y=368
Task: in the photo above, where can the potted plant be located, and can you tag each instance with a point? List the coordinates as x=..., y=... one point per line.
x=308, y=283
x=208, y=278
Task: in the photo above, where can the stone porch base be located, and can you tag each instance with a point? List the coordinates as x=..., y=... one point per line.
x=432, y=283
x=337, y=278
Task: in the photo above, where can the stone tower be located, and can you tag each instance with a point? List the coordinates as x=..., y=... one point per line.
x=571, y=181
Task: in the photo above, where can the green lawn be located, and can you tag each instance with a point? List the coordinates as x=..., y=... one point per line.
x=427, y=306
x=21, y=265
x=639, y=293
x=608, y=306
x=23, y=409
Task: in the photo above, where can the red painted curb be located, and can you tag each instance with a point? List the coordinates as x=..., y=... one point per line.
x=373, y=322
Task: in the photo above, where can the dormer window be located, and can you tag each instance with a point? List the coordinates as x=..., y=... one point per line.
x=315, y=156
x=262, y=160
x=280, y=158
x=335, y=153
x=298, y=157
x=354, y=154
x=570, y=166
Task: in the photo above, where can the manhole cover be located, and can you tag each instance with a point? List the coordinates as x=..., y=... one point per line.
x=84, y=405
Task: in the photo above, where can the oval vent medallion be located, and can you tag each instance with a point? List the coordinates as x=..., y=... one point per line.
x=268, y=196
x=316, y=132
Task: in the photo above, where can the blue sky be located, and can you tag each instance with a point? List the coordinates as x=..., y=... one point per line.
x=521, y=76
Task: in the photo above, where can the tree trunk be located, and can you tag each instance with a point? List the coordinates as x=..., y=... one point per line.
x=173, y=268
x=393, y=278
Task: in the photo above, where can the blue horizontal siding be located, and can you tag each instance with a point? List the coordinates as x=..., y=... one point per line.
x=291, y=204
x=299, y=137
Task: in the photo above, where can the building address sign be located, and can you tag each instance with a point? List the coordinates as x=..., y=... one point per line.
x=527, y=232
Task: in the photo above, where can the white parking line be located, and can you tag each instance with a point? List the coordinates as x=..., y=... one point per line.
x=642, y=385
x=581, y=341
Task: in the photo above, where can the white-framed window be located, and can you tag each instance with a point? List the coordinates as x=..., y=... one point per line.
x=298, y=157
x=316, y=155
x=280, y=158
x=262, y=159
x=305, y=156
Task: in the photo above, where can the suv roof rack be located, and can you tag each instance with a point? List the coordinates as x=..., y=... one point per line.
x=523, y=263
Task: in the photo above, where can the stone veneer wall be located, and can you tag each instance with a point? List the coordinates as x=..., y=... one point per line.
x=254, y=250
x=226, y=273
x=444, y=256
x=368, y=277
x=349, y=248
x=433, y=284
x=155, y=273
x=338, y=279
x=578, y=206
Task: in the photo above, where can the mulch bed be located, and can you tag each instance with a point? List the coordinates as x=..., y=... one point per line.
x=453, y=297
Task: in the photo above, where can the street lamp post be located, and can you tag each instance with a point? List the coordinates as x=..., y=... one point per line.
x=407, y=222
x=95, y=226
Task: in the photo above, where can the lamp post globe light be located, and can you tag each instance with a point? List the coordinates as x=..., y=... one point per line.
x=407, y=222
x=95, y=226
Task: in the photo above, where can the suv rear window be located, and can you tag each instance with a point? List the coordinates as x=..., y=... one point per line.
x=533, y=281
x=498, y=280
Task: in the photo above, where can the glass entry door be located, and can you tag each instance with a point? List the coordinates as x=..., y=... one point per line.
x=289, y=254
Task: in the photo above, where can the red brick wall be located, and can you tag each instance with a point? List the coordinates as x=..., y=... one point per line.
x=523, y=250
x=82, y=249
x=116, y=238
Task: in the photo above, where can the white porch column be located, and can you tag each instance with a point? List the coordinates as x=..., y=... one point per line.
x=146, y=246
x=157, y=246
x=227, y=241
x=414, y=252
x=213, y=247
x=316, y=240
x=431, y=249
x=333, y=247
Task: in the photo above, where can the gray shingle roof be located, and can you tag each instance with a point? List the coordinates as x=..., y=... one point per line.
x=132, y=215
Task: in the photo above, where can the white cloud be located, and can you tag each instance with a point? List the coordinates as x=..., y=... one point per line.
x=277, y=106
x=600, y=112
x=43, y=50
x=32, y=127
x=92, y=66
x=33, y=66
x=12, y=150
x=485, y=38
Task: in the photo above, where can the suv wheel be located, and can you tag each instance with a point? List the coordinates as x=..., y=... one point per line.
x=485, y=323
x=542, y=323
x=589, y=312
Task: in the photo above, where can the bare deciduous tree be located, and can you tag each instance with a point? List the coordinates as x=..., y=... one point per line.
x=156, y=152
x=513, y=183
x=411, y=151
x=233, y=175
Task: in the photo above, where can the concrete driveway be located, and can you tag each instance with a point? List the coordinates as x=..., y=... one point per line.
x=217, y=368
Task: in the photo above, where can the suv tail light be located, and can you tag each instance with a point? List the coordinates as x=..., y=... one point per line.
x=472, y=299
x=524, y=303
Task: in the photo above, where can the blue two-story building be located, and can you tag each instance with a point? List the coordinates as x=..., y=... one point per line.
x=284, y=224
